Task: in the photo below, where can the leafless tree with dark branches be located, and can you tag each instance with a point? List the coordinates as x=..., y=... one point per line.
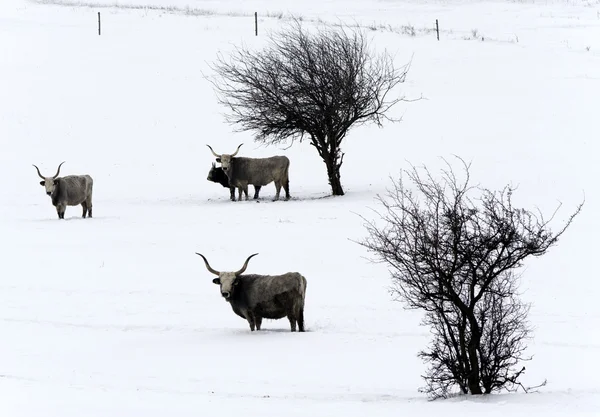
x=453, y=250
x=309, y=85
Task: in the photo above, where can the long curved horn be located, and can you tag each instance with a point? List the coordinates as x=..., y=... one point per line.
x=211, y=149
x=213, y=271
x=241, y=271
x=236, y=151
x=38, y=170
x=58, y=170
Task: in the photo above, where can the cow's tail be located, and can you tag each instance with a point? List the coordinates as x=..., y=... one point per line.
x=302, y=287
x=300, y=312
x=286, y=178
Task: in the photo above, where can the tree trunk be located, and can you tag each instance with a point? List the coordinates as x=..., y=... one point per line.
x=474, y=378
x=333, y=172
x=473, y=382
x=329, y=151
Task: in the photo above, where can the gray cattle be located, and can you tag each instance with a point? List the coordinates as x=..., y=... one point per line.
x=254, y=297
x=71, y=190
x=243, y=171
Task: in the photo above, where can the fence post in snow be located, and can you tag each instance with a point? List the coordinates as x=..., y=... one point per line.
x=437, y=29
x=255, y=23
x=99, y=27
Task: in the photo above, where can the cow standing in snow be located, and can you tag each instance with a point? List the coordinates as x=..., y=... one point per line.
x=71, y=190
x=254, y=297
x=216, y=174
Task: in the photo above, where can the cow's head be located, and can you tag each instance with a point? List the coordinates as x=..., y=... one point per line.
x=217, y=175
x=227, y=280
x=49, y=182
x=225, y=159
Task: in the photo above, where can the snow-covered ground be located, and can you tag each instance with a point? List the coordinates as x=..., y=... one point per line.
x=116, y=315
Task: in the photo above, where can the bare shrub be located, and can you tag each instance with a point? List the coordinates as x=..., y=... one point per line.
x=453, y=250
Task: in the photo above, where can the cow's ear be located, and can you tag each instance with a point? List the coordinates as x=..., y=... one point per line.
x=218, y=160
x=217, y=281
x=42, y=183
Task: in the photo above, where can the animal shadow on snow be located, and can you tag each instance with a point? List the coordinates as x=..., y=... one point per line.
x=226, y=200
x=281, y=330
x=74, y=218
x=265, y=331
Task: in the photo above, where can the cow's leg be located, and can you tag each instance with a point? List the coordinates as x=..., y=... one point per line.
x=258, y=321
x=277, y=190
x=251, y=322
x=286, y=188
x=85, y=209
x=88, y=203
x=60, y=210
x=256, y=191
x=232, y=192
x=240, y=193
x=292, y=320
x=301, y=319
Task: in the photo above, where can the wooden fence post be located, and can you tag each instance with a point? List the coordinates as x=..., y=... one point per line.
x=99, y=25
x=256, y=23
x=437, y=29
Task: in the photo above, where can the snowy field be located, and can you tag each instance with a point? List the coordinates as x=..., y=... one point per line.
x=116, y=315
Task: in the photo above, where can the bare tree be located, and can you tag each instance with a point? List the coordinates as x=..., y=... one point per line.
x=454, y=255
x=308, y=85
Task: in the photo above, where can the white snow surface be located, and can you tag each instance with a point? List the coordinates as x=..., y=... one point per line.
x=116, y=315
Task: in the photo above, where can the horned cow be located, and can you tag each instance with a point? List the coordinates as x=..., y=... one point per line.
x=254, y=297
x=243, y=171
x=71, y=190
x=216, y=174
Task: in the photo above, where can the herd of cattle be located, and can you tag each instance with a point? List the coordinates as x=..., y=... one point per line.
x=252, y=297
x=239, y=172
